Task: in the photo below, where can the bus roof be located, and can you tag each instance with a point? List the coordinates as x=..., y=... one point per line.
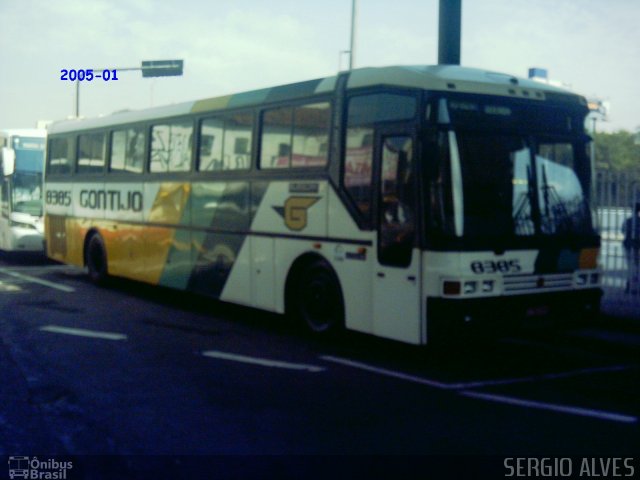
x=439, y=78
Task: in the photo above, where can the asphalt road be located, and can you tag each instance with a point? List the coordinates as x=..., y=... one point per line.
x=135, y=370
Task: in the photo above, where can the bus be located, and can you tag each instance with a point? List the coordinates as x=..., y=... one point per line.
x=21, y=186
x=404, y=202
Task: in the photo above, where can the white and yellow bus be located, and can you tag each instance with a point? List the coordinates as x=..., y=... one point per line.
x=396, y=201
x=21, y=186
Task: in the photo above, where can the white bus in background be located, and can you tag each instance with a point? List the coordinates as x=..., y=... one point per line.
x=21, y=202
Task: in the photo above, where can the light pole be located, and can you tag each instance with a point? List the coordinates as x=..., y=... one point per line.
x=352, y=44
x=340, y=55
x=77, y=110
x=593, y=140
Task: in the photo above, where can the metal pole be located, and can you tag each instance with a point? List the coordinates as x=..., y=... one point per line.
x=153, y=84
x=340, y=55
x=77, y=98
x=449, y=32
x=593, y=142
x=353, y=33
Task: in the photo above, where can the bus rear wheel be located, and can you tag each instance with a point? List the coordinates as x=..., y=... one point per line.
x=317, y=299
x=96, y=260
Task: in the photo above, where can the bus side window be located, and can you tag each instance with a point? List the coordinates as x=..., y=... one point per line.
x=365, y=113
x=225, y=142
x=294, y=137
x=211, y=133
x=275, y=145
x=238, y=132
x=171, y=145
x=91, y=153
x=127, y=150
x=397, y=201
x=358, y=167
x=310, y=132
x=60, y=156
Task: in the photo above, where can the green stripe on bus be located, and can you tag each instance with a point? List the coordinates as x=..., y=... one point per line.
x=294, y=90
x=217, y=103
x=179, y=264
x=248, y=98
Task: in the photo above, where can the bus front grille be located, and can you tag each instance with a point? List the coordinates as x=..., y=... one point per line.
x=537, y=283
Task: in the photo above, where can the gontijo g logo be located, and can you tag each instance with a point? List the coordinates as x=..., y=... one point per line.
x=32, y=468
x=294, y=211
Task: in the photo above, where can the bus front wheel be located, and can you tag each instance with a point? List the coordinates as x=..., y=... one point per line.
x=317, y=299
x=96, y=260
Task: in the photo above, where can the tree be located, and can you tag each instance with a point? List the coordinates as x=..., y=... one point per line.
x=618, y=152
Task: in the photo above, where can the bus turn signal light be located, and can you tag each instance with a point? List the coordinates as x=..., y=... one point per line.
x=451, y=288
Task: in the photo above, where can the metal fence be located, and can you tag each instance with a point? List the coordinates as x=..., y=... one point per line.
x=617, y=202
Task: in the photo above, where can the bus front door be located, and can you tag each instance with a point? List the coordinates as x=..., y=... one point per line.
x=396, y=273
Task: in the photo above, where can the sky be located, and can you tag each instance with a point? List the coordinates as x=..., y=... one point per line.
x=230, y=46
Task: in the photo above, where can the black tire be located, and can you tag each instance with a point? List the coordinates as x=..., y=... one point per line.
x=317, y=299
x=96, y=260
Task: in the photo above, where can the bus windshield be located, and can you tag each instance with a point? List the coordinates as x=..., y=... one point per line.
x=27, y=179
x=505, y=195
x=507, y=169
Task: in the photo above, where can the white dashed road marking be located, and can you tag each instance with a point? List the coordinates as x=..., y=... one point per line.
x=585, y=412
x=29, y=278
x=459, y=388
x=261, y=361
x=536, y=378
x=383, y=371
x=80, y=332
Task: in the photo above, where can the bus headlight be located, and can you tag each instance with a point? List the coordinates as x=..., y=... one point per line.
x=487, y=286
x=470, y=287
x=13, y=223
x=582, y=279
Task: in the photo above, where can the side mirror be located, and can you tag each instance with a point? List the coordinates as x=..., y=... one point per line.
x=8, y=160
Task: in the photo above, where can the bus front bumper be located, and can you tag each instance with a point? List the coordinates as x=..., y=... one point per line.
x=26, y=240
x=498, y=314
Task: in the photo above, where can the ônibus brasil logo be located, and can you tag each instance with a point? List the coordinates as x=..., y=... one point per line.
x=32, y=468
